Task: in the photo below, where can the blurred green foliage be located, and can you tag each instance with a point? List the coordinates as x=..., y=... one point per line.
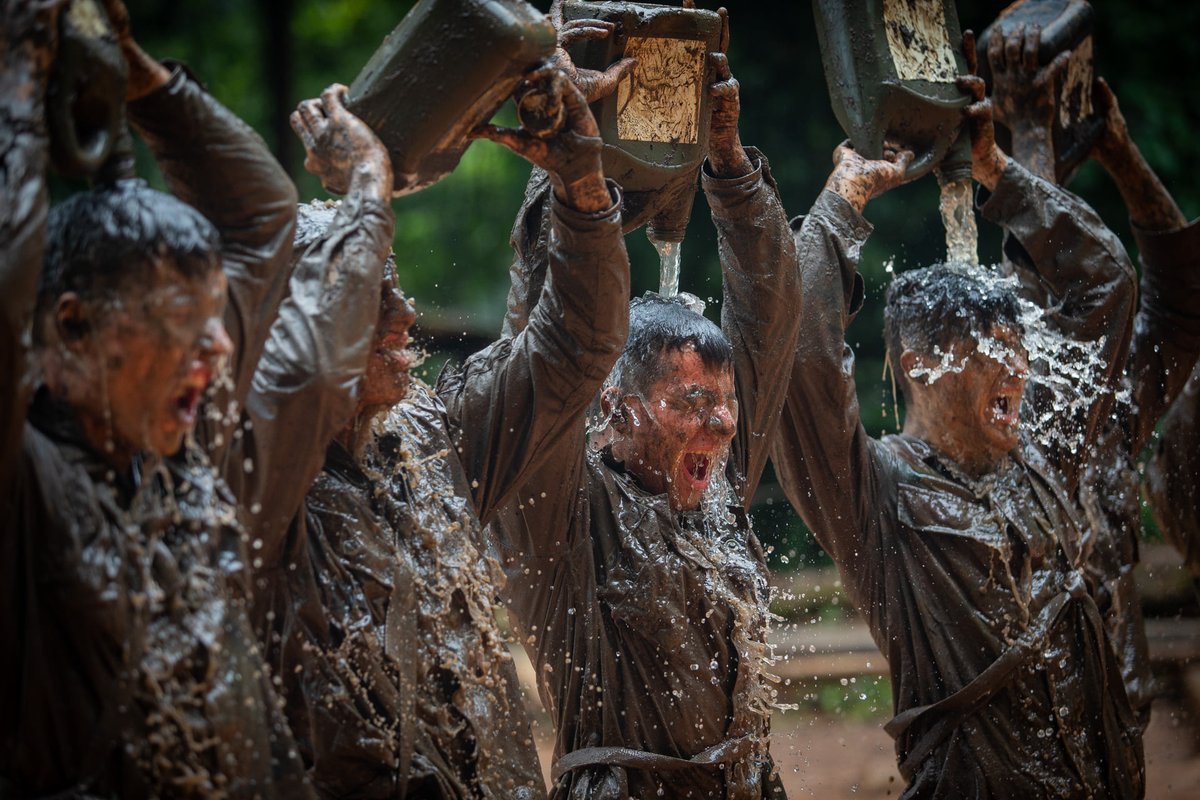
x=452, y=239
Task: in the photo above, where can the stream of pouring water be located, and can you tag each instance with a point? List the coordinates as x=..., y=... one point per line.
x=668, y=266
x=958, y=216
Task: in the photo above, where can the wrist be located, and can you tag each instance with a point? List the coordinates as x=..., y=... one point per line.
x=729, y=161
x=588, y=194
x=989, y=170
x=373, y=179
x=849, y=189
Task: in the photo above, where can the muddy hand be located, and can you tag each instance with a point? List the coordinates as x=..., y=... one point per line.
x=1114, y=142
x=571, y=156
x=859, y=180
x=595, y=84
x=339, y=147
x=1023, y=90
x=726, y=156
x=145, y=73
x=987, y=160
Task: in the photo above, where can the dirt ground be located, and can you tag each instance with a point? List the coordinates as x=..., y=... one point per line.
x=833, y=758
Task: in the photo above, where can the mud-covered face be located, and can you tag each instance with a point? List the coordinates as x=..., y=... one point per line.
x=979, y=406
x=676, y=437
x=386, y=380
x=159, y=345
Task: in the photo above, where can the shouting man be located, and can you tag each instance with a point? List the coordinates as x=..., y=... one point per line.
x=633, y=574
x=957, y=540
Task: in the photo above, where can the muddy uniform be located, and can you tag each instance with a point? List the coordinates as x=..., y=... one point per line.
x=647, y=627
x=1003, y=679
x=378, y=602
x=1166, y=342
x=132, y=669
x=1173, y=477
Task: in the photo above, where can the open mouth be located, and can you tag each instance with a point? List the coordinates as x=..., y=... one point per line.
x=187, y=402
x=1006, y=409
x=697, y=467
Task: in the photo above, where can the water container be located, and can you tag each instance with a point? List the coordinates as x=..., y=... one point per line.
x=655, y=126
x=446, y=68
x=85, y=97
x=1066, y=27
x=891, y=66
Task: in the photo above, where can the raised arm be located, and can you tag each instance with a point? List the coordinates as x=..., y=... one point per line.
x=1075, y=268
x=830, y=469
x=760, y=310
x=27, y=42
x=306, y=385
x=217, y=164
x=520, y=403
x=1166, y=331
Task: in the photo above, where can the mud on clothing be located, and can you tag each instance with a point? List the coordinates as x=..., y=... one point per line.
x=132, y=670
x=376, y=595
x=1003, y=679
x=647, y=627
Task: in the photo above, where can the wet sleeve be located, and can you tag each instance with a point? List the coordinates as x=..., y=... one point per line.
x=518, y=405
x=760, y=310
x=1079, y=272
x=530, y=243
x=1166, y=331
x=305, y=387
x=23, y=210
x=1172, y=482
x=832, y=472
x=217, y=164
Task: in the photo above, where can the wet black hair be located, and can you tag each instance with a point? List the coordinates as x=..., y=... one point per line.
x=660, y=325
x=104, y=239
x=939, y=306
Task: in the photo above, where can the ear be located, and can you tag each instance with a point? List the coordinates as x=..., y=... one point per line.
x=908, y=360
x=72, y=320
x=613, y=409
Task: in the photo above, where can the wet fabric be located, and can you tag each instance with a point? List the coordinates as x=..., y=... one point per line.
x=1165, y=345
x=1172, y=484
x=134, y=671
x=647, y=627
x=1003, y=679
x=377, y=603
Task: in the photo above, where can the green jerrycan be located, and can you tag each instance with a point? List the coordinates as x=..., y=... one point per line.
x=446, y=68
x=655, y=126
x=890, y=66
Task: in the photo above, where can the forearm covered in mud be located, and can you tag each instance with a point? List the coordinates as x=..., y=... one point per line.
x=24, y=63
x=1166, y=331
x=826, y=463
x=513, y=404
x=1080, y=273
x=304, y=388
x=217, y=164
x=760, y=311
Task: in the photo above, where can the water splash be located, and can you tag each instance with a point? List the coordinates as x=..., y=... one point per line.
x=668, y=266
x=958, y=216
x=1067, y=376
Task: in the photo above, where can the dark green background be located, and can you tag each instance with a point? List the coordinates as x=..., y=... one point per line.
x=261, y=58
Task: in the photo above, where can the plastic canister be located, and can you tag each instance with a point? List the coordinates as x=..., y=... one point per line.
x=890, y=66
x=445, y=69
x=655, y=125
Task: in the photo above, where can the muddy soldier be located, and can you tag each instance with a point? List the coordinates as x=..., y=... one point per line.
x=1166, y=331
x=957, y=540
x=633, y=574
x=375, y=595
x=131, y=668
